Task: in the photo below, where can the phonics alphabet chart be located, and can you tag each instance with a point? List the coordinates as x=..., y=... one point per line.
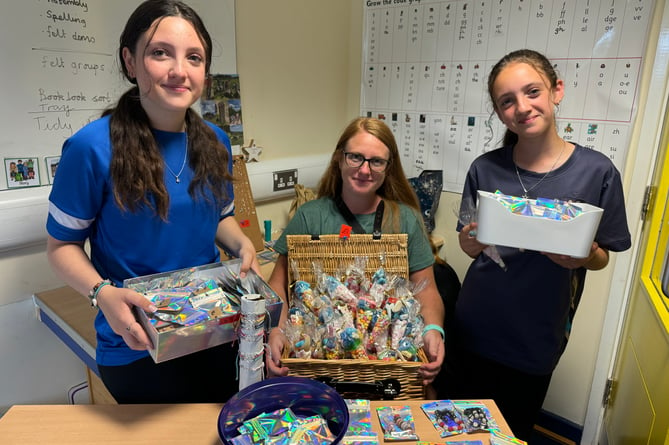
x=426, y=63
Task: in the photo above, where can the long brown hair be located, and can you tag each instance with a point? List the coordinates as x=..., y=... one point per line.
x=395, y=188
x=137, y=167
x=533, y=58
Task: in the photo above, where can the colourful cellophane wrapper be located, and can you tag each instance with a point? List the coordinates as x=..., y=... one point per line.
x=351, y=339
x=476, y=416
x=333, y=322
x=283, y=427
x=459, y=442
x=193, y=303
x=464, y=442
x=397, y=423
x=361, y=440
x=554, y=209
x=499, y=438
x=445, y=418
x=466, y=213
x=308, y=431
x=268, y=424
x=360, y=417
x=339, y=291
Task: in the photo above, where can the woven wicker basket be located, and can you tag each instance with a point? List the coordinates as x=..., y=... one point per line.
x=333, y=254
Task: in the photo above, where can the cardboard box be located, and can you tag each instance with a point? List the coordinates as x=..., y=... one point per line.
x=188, y=339
x=497, y=225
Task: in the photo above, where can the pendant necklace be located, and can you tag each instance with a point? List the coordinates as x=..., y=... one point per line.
x=525, y=190
x=183, y=164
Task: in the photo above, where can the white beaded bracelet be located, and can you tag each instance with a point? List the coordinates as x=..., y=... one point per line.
x=93, y=294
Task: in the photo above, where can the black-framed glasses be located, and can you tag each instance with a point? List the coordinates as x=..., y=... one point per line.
x=356, y=160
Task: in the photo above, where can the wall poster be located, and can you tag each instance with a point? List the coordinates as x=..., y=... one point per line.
x=426, y=62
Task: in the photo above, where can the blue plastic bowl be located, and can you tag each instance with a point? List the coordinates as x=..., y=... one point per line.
x=305, y=397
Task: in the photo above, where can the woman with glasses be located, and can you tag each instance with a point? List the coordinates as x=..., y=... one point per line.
x=364, y=184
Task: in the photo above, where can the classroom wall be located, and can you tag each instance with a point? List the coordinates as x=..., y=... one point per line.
x=299, y=63
x=570, y=387
x=299, y=89
x=299, y=67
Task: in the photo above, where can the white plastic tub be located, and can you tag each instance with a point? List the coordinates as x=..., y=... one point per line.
x=497, y=225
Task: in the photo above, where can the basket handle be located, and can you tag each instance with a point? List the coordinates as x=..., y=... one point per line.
x=388, y=389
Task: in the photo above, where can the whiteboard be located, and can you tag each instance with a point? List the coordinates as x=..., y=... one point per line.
x=426, y=62
x=60, y=70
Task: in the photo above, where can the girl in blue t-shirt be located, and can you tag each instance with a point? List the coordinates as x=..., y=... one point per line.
x=149, y=187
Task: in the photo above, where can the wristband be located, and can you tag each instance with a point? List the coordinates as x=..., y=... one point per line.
x=434, y=327
x=93, y=294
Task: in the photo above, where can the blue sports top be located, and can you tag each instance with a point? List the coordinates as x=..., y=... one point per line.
x=124, y=244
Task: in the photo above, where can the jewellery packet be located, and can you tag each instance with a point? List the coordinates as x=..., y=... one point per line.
x=397, y=423
x=445, y=418
x=476, y=416
x=198, y=307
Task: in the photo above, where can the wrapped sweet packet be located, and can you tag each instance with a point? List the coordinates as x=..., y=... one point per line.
x=351, y=316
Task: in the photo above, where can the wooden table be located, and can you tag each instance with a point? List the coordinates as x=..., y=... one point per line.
x=160, y=424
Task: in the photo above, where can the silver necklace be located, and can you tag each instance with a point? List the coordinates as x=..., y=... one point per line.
x=183, y=164
x=525, y=190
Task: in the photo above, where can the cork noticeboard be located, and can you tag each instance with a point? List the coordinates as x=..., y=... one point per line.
x=245, y=208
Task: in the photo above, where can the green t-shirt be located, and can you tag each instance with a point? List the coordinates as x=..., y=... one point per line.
x=321, y=217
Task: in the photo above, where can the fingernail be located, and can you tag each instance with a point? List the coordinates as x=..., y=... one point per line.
x=152, y=308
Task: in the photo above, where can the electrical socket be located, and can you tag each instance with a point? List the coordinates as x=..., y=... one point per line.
x=284, y=179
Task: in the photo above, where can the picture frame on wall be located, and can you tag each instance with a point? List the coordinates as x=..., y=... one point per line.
x=22, y=172
x=51, y=166
x=221, y=104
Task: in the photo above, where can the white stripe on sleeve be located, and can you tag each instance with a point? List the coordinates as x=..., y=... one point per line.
x=68, y=221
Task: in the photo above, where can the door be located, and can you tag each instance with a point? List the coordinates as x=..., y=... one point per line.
x=638, y=408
